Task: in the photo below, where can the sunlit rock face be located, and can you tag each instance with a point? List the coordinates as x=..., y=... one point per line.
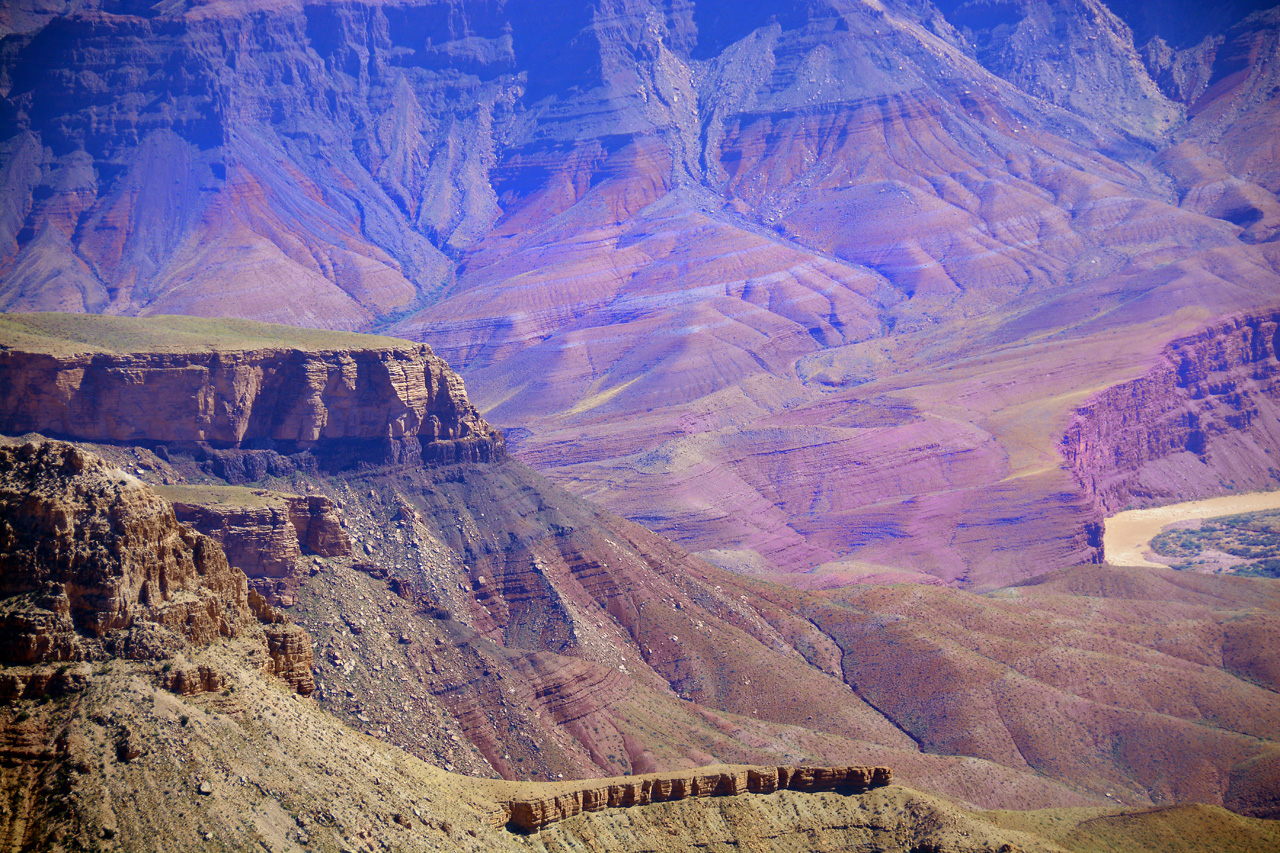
x=797, y=284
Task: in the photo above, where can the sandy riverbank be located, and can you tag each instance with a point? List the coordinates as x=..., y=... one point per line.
x=1127, y=538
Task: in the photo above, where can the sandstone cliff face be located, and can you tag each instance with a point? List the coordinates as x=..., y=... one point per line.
x=259, y=541
x=1205, y=420
x=94, y=565
x=373, y=405
x=88, y=553
x=318, y=525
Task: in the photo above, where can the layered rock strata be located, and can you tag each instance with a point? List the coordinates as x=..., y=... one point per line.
x=394, y=403
x=1204, y=420
x=532, y=813
x=266, y=540
x=94, y=565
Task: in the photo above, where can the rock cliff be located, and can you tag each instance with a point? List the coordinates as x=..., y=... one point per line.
x=1204, y=420
x=535, y=812
x=396, y=402
x=263, y=533
x=94, y=565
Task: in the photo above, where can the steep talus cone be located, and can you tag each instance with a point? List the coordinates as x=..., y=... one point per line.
x=382, y=404
x=94, y=565
x=531, y=813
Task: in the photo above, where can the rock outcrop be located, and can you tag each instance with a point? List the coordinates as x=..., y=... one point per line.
x=94, y=565
x=265, y=536
x=1203, y=421
x=318, y=524
x=532, y=813
x=381, y=404
x=289, y=649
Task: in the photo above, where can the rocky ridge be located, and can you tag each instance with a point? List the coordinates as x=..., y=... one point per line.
x=394, y=402
x=530, y=814
x=488, y=621
x=123, y=759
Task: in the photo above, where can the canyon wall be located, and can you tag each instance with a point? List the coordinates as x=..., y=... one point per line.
x=1204, y=420
x=375, y=405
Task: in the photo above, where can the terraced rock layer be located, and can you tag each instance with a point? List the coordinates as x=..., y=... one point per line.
x=264, y=534
x=93, y=565
x=713, y=261
x=489, y=621
x=187, y=747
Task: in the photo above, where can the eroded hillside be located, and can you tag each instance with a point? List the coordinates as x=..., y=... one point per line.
x=480, y=618
x=155, y=736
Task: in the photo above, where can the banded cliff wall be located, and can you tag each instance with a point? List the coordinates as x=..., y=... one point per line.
x=377, y=405
x=265, y=541
x=1204, y=421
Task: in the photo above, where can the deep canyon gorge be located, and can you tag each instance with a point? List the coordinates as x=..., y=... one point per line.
x=807, y=345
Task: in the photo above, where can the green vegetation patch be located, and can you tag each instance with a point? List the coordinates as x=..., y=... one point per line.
x=1251, y=536
x=70, y=334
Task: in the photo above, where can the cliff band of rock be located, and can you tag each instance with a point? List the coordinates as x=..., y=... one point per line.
x=94, y=565
x=1203, y=421
x=389, y=404
x=532, y=813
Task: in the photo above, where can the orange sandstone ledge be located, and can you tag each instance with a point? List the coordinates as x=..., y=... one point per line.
x=530, y=812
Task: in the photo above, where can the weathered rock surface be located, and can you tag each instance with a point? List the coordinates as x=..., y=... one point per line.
x=94, y=565
x=88, y=556
x=319, y=525
x=394, y=402
x=127, y=764
x=289, y=648
x=1203, y=421
x=532, y=813
x=264, y=534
